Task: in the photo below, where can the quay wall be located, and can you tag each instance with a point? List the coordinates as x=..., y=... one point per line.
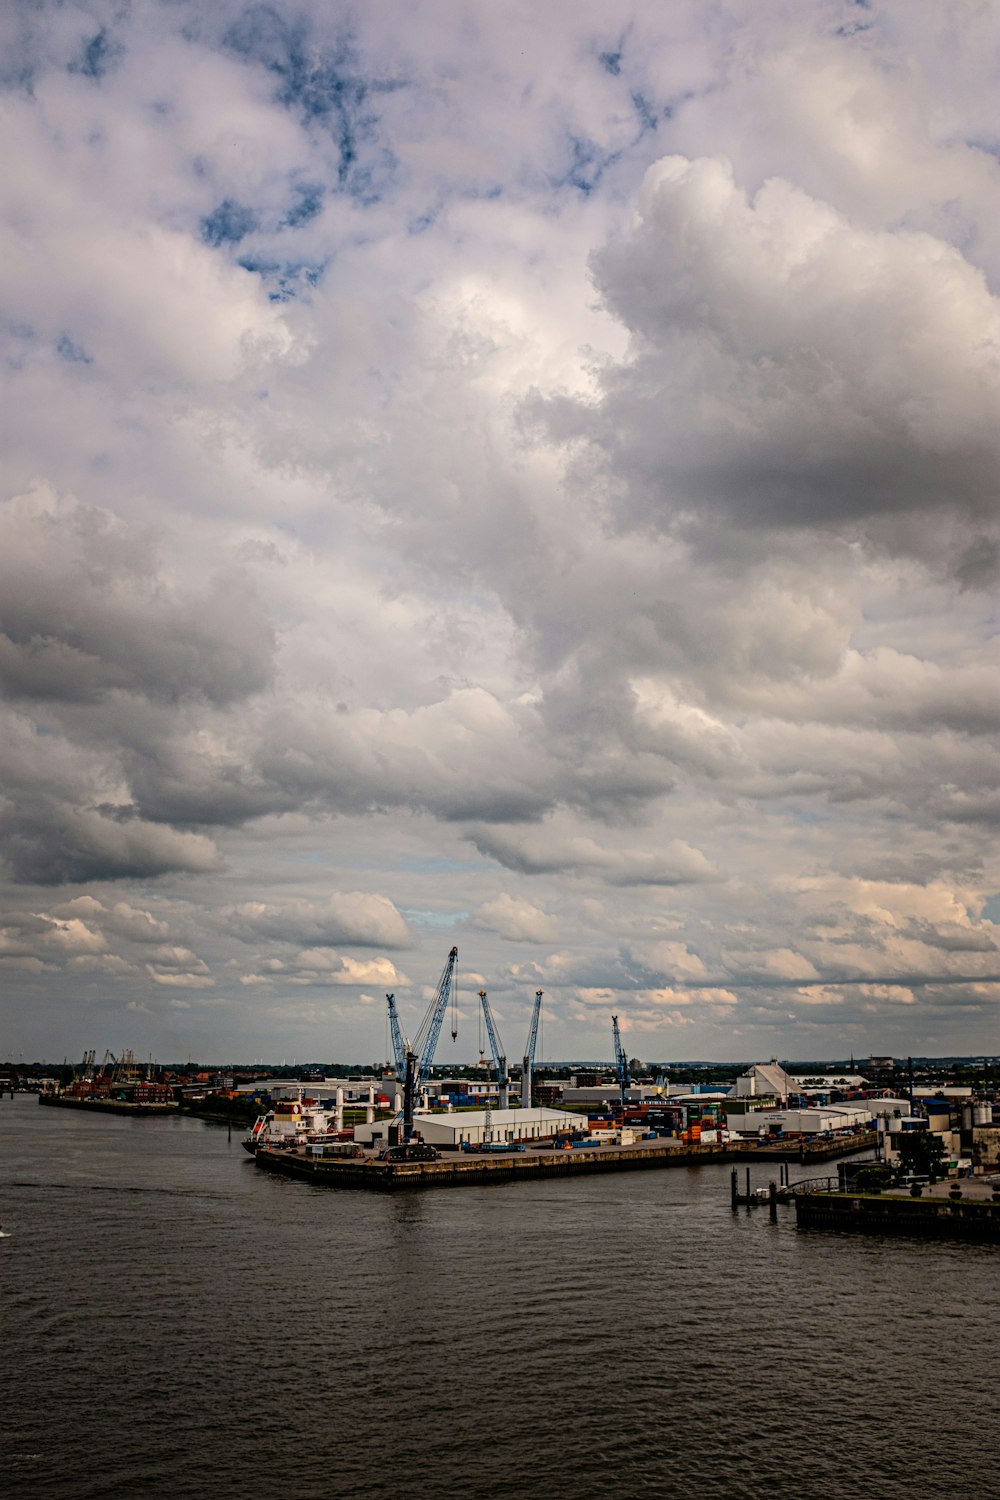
x=108, y=1106
x=880, y=1214
x=471, y=1169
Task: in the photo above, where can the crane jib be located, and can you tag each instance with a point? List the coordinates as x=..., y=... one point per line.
x=498, y=1056
x=426, y=1041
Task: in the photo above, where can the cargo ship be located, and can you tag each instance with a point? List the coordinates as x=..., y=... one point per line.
x=295, y=1122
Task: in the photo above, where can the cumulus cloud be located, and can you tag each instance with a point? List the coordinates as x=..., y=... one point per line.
x=514, y=918
x=320, y=966
x=789, y=369
x=543, y=851
x=176, y=967
x=88, y=612
x=354, y=917
x=51, y=843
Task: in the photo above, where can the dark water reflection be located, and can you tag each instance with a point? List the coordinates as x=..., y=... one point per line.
x=175, y=1324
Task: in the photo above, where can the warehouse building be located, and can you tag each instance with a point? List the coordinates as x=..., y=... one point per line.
x=799, y=1121
x=470, y=1127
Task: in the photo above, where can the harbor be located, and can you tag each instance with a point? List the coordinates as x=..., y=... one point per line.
x=409, y=1123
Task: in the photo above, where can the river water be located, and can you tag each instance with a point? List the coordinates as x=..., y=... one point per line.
x=177, y=1324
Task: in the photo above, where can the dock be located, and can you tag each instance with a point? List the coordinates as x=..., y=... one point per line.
x=458, y=1169
x=109, y=1106
x=934, y=1217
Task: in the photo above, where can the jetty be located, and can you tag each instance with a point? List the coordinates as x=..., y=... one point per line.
x=972, y=1213
x=110, y=1106
x=458, y=1169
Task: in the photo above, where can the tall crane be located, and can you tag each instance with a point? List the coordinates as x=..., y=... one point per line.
x=529, y=1053
x=396, y=1034
x=426, y=1040
x=497, y=1055
x=415, y=1060
x=621, y=1061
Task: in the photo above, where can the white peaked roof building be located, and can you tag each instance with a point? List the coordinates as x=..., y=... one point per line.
x=470, y=1126
x=765, y=1078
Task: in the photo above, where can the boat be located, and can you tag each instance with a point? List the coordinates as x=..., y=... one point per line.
x=294, y=1122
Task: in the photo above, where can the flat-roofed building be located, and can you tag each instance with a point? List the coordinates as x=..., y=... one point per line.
x=476, y=1127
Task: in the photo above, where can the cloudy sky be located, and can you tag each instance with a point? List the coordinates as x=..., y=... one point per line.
x=522, y=476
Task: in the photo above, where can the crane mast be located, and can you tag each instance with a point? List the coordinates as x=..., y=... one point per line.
x=414, y=1061
x=529, y=1054
x=430, y=1027
x=497, y=1054
x=398, y=1040
x=621, y=1061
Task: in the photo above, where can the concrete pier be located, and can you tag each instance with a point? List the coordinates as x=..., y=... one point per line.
x=965, y=1219
x=456, y=1169
x=109, y=1106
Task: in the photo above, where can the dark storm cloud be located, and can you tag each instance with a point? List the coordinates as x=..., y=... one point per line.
x=788, y=369
x=85, y=610
x=51, y=843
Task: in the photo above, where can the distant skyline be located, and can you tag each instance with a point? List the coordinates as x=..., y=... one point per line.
x=517, y=476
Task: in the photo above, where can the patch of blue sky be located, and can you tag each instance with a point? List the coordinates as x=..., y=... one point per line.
x=326, y=87
x=228, y=224
x=419, y=917
x=99, y=56
x=677, y=102
x=307, y=205
x=317, y=856
x=284, y=279
x=437, y=864
x=587, y=165
x=648, y=118
x=72, y=352
x=991, y=909
x=263, y=35
x=611, y=62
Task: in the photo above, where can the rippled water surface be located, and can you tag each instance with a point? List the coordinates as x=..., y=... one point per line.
x=177, y=1324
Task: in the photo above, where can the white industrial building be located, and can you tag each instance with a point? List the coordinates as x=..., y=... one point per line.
x=767, y=1080
x=825, y=1083
x=477, y=1126
x=800, y=1121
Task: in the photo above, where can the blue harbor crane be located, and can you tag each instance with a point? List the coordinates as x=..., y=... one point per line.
x=414, y=1061
x=529, y=1053
x=498, y=1057
x=398, y=1040
x=621, y=1061
x=426, y=1040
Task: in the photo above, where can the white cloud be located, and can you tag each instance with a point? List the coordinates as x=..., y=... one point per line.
x=321, y=966
x=547, y=851
x=514, y=918
x=356, y=917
